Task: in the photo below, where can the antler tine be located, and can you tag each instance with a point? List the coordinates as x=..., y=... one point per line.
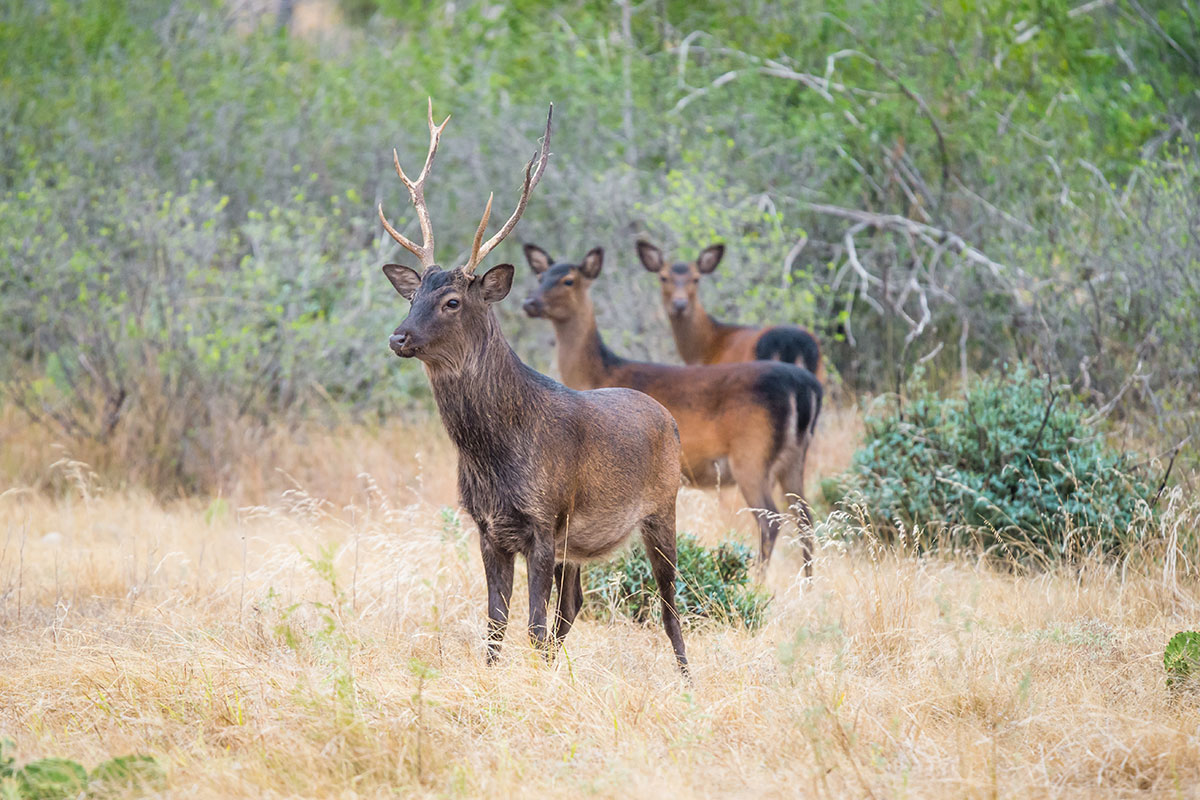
x=532, y=176
x=416, y=190
x=481, y=230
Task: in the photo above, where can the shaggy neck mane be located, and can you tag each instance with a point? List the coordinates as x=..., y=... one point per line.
x=487, y=395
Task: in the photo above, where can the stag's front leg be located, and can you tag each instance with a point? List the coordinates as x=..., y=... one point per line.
x=540, y=561
x=498, y=568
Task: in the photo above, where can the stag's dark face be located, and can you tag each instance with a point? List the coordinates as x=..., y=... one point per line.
x=449, y=311
x=562, y=287
x=680, y=281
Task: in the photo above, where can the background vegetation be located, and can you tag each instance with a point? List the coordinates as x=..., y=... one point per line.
x=188, y=245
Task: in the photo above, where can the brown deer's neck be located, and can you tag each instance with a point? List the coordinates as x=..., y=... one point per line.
x=583, y=360
x=696, y=334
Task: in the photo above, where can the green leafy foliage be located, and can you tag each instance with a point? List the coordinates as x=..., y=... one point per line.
x=50, y=779
x=64, y=779
x=1181, y=658
x=126, y=776
x=711, y=583
x=1012, y=465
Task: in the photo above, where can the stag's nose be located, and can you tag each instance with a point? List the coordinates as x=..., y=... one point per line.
x=532, y=306
x=679, y=306
x=398, y=341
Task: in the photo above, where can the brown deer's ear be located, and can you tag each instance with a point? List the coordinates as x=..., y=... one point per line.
x=539, y=260
x=651, y=256
x=710, y=257
x=405, y=279
x=497, y=282
x=592, y=262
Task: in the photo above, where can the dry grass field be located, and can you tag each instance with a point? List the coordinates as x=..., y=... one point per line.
x=325, y=640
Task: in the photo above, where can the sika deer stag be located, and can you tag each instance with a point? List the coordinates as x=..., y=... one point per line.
x=558, y=476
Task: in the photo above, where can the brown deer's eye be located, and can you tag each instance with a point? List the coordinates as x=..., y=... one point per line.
x=569, y=282
x=452, y=303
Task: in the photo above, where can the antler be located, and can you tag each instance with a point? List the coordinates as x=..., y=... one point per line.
x=416, y=190
x=532, y=177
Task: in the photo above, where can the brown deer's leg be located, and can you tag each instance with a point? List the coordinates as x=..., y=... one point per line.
x=752, y=476
x=658, y=532
x=791, y=480
x=570, y=599
x=498, y=568
x=540, y=563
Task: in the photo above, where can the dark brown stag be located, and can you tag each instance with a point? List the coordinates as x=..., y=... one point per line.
x=701, y=339
x=757, y=418
x=556, y=475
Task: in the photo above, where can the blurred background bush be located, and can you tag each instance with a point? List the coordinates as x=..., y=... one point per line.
x=188, y=242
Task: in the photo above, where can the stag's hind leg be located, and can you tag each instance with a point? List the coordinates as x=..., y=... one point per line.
x=658, y=533
x=570, y=599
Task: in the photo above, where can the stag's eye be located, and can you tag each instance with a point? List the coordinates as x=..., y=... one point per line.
x=452, y=303
x=569, y=282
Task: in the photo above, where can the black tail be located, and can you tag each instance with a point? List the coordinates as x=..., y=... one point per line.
x=790, y=344
x=784, y=384
x=818, y=394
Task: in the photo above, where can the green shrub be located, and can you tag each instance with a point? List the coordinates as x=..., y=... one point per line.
x=1013, y=466
x=712, y=583
x=1181, y=658
x=62, y=778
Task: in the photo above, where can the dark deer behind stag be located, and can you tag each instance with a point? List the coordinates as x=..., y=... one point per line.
x=556, y=475
x=758, y=418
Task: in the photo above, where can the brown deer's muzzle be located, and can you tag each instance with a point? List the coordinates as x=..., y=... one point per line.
x=533, y=306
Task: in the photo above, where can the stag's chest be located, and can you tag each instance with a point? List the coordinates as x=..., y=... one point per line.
x=502, y=498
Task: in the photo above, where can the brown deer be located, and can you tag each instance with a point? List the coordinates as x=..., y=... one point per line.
x=558, y=476
x=701, y=339
x=758, y=417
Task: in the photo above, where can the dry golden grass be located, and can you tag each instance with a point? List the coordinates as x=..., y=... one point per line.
x=211, y=634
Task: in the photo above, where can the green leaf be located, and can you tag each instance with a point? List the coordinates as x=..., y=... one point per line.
x=122, y=776
x=1181, y=658
x=51, y=779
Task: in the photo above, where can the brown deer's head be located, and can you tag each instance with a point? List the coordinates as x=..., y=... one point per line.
x=562, y=287
x=680, y=281
x=451, y=308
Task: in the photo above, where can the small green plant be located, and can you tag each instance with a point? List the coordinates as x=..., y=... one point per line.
x=1014, y=466
x=1181, y=658
x=321, y=630
x=62, y=778
x=711, y=583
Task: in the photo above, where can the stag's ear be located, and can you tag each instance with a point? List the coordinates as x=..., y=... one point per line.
x=651, y=256
x=539, y=260
x=710, y=257
x=405, y=279
x=496, y=282
x=592, y=262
